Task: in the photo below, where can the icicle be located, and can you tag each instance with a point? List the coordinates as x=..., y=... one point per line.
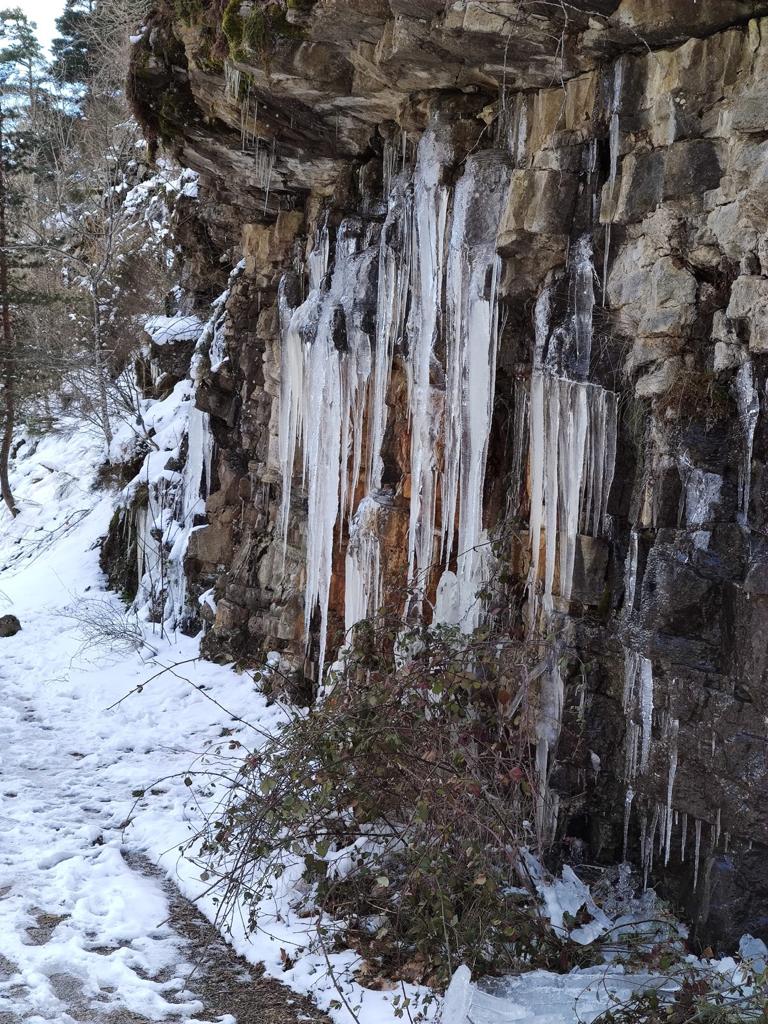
x=472, y=338
x=648, y=860
x=291, y=399
x=683, y=838
x=643, y=836
x=696, y=852
x=326, y=364
x=362, y=579
x=548, y=724
x=232, y=79
x=614, y=142
x=583, y=303
x=646, y=710
x=673, y=728
x=430, y=216
x=391, y=305
x=716, y=829
x=572, y=456
x=748, y=404
x=628, y=798
x=630, y=576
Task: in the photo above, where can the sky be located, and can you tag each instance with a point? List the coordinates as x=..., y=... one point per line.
x=45, y=13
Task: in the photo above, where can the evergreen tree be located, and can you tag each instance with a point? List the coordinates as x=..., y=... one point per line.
x=74, y=53
x=20, y=63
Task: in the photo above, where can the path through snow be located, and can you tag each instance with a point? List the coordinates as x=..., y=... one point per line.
x=90, y=932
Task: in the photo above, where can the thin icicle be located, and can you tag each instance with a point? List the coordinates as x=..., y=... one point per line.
x=362, y=578
x=424, y=401
x=646, y=710
x=572, y=455
x=395, y=251
x=683, y=838
x=672, y=733
x=696, y=852
x=630, y=576
x=628, y=798
x=748, y=404
x=583, y=303
x=614, y=144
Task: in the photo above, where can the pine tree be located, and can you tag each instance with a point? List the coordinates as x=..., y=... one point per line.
x=20, y=62
x=73, y=49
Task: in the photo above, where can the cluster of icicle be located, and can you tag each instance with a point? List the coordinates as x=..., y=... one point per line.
x=572, y=429
x=437, y=270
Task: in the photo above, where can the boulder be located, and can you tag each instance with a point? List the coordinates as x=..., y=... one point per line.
x=9, y=625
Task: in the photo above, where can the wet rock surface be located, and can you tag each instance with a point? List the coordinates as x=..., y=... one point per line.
x=641, y=127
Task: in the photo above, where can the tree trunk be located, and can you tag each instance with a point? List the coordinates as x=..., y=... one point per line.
x=8, y=340
x=101, y=371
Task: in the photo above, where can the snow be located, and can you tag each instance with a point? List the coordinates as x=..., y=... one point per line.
x=74, y=754
x=168, y=330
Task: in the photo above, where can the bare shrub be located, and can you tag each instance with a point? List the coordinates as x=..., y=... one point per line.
x=406, y=796
x=106, y=627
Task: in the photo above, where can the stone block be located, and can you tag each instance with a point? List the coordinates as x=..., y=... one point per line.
x=211, y=544
x=749, y=301
x=590, y=569
x=540, y=202
x=750, y=113
x=660, y=380
x=690, y=168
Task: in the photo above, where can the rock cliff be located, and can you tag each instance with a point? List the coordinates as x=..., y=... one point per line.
x=502, y=274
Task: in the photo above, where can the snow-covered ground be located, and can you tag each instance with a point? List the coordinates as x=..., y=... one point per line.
x=78, y=925
x=89, y=779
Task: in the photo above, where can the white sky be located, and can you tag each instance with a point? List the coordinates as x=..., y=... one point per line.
x=44, y=12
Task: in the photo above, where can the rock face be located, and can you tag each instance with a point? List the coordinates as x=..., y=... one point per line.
x=533, y=241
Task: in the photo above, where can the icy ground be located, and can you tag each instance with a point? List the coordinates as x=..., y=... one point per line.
x=96, y=789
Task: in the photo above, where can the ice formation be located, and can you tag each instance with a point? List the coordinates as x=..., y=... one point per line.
x=436, y=297
x=572, y=458
x=430, y=214
x=472, y=338
x=615, y=144
x=748, y=404
x=325, y=370
x=362, y=572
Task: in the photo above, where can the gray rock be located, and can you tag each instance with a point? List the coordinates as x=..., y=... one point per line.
x=9, y=625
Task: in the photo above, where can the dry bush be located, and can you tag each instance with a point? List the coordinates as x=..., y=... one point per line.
x=406, y=795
